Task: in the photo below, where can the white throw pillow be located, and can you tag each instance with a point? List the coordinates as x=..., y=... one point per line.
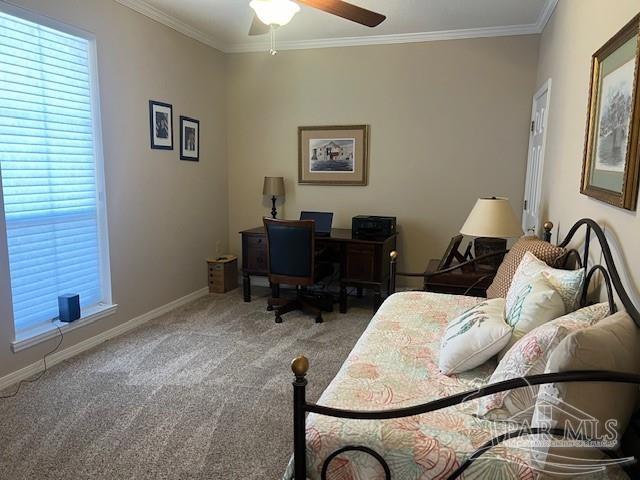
x=474, y=337
x=568, y=283
x=536, y=303
x=529, y=357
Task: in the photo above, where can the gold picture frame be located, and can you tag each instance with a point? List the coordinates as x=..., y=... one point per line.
x=612, y=140
x=333, y=155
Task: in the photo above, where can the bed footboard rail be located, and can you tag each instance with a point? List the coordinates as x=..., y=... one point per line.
x=301, y=407
x=393, y=270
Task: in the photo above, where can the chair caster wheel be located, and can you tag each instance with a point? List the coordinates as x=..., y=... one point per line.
x=269, y=308
x=278, y=319
x=319, y=319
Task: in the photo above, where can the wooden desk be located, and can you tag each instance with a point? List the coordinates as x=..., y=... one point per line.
x=364, y=263
x=459, y=281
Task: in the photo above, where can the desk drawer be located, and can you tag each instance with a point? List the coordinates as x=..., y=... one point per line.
x=361, y=262
x=256, y=259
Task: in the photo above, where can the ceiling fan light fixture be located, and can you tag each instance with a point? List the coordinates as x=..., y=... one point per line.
x=275, y=12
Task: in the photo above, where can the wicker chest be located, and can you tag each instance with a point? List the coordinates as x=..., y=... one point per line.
x=223, y=273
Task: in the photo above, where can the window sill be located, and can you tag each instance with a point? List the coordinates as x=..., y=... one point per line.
x=46, y=331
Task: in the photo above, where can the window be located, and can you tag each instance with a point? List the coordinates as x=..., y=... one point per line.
x=50, y=165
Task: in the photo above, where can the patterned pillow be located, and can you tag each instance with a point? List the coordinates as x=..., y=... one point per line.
x=529, y=356
x=535, y=303
x=474, y=337
x=568, y=283
x=545, y=251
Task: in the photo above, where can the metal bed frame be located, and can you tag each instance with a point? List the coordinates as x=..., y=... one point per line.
x=611, y=281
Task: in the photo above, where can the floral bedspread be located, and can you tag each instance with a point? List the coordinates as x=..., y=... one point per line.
x=395, y=364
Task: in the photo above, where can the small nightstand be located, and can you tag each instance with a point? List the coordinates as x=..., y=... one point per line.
x=459, y=281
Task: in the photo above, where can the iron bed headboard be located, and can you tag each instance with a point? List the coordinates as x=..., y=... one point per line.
x=612, y=283
x=609, y=272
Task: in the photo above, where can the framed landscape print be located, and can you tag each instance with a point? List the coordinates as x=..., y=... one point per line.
x=189, y=139
x=333, y=155
x=611, y=154
x=161, y=125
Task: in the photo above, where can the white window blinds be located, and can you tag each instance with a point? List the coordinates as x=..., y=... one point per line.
x=48, y=168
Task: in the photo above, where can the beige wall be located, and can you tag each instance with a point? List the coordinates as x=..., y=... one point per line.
x=165, y=216
x=576, y=30
x=449, y=123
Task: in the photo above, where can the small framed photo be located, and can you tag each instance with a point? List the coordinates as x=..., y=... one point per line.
x=189, y=139
x=161, y=125
x=333, y=155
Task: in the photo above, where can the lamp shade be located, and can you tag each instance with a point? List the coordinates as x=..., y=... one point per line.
x=273, y=186
x=275, y=12
x=492, y=217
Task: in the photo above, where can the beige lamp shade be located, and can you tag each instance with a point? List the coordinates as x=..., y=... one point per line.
x=273, y=186
x=492, y=217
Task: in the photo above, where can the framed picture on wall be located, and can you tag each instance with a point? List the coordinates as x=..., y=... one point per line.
x=189, y=139
x=161, y=125
x=611, y=156
x=333, y=155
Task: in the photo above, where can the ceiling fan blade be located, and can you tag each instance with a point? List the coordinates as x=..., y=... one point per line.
x=257, y=27
x=347, y=10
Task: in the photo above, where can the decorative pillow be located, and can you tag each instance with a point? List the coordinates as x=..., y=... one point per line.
x=535, y=303
x=545, y=251
x=529, y=356
x=602, y=408
x=474, y=337
x=568, y=283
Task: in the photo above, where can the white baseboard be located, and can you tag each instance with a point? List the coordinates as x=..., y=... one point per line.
x=260, y=282
x=256, y=280
x=34, y=368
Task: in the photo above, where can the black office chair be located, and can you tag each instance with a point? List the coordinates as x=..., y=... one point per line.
x=291, y=260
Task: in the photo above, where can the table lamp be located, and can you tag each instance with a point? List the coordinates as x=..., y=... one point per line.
x=274, y=187
x=491, y=221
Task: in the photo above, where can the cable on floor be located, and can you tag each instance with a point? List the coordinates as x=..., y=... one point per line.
x=41, y=374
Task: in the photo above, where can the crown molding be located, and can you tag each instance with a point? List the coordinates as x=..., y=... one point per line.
x=390, y=39
x=152, y=12
x=546, y=13
x=143, y=7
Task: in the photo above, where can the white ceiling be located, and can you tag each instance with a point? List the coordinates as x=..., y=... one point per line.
x=224, y=24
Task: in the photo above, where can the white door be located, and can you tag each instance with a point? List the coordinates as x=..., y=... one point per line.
x=537, y=136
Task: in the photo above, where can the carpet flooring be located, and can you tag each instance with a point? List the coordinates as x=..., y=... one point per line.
x=202, y=392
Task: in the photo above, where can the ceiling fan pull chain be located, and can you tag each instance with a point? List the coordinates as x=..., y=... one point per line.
x=272, y=34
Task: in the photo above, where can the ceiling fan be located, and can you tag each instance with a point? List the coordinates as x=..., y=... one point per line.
x=271, y=14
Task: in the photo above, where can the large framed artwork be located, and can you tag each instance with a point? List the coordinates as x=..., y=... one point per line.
x=611, y=154
x=333, y=155
x=189, y=139
x=161, y=125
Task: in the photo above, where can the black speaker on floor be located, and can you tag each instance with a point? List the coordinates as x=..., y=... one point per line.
x=69, y=307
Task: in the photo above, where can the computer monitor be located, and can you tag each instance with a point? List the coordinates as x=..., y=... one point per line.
x=323, y=221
